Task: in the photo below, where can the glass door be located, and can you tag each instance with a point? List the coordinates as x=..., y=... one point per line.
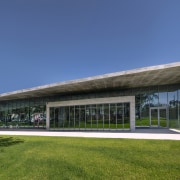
x=154, y=117
x=163, y=117
x=158, y=117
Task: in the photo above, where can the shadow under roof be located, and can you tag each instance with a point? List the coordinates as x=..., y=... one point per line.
x=142, y=77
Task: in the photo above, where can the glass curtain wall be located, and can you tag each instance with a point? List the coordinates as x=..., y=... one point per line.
x=173, y=104
x=158, y=106
x=162, y=103
x=23, y=113
x=95, y=116
x=142, y=110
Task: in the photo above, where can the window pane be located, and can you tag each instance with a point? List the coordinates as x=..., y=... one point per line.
x=120, y=116
x=106, y=116
x=144, y=116
x=163, y=99
x=94, y=116
x=72, y=117
x=126, y=115
x=154, y=99
x=52, y=119
x=100, y=115
x=61, y=116
x=82, y=117
x=173, y=109
x=88, y=116
x=113, y=115
x=66, y=116
x=77, y=116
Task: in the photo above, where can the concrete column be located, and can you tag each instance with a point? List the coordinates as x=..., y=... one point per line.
x=132, y=113
x=47, y=117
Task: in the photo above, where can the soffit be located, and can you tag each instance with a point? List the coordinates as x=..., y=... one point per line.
x=143, y=77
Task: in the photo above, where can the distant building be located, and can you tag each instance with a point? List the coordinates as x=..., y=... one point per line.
x=145, y=97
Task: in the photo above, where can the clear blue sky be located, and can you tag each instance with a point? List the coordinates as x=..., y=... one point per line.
x=47, y=41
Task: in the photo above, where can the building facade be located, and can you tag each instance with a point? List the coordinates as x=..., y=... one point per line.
x=146, y=97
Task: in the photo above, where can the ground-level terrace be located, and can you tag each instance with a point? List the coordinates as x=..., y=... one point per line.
x=145, y=97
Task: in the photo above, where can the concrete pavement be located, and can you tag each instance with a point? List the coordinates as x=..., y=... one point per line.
x=163, y=134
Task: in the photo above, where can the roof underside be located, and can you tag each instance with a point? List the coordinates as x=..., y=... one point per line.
x=143, y=77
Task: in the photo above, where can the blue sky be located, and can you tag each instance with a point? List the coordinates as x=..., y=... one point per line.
x=47, y=41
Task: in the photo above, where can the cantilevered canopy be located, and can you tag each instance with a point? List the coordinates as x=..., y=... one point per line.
x=148, y=76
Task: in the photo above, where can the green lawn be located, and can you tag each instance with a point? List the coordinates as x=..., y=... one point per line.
x=31, y=158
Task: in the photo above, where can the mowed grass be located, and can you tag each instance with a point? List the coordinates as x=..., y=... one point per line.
x=51, y=158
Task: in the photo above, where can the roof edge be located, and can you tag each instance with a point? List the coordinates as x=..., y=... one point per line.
x=107, y=75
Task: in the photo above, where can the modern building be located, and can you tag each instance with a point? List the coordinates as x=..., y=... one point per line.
x=145, y=97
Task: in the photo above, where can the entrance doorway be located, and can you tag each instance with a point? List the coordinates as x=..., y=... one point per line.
x=158, y=117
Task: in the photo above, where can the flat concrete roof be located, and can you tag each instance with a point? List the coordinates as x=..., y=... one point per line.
x=142, y=77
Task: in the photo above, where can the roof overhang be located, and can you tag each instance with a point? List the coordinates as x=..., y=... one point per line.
x=143, y=77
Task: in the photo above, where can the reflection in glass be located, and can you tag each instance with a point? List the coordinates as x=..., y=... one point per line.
x=163, y=99
x=61, y=116
x=66, y=117
x=94, y=115
x=82, y=117
x=120, y=116
x=163, y=117
x=52, y=120
x=173, y=109
x=113, y=116
x=88, y=117
x=153, y=99
x=106, y=116
x=154, y=117
x=126, y=115
x=144, y=115
x=100, y=116
x=77, y=116
x=31, y=113
x=72, y=117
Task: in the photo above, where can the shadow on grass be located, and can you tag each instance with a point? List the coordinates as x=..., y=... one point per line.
x=9, y=141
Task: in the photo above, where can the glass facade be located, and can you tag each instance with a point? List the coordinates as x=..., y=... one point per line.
x=25, y=113
x=94, y=116
x=158, y=106
x=154, y=106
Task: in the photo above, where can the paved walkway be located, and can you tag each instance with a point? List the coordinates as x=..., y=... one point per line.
x=163, y=134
